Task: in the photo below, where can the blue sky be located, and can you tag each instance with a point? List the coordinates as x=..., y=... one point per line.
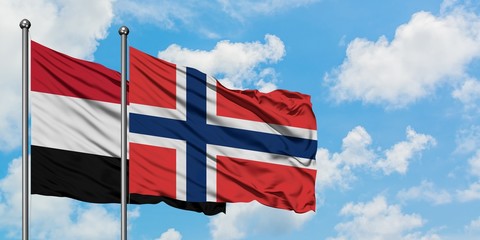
x=395, y=88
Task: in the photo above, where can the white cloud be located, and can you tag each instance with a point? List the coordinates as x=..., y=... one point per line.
x=420, y=236
x=448, y=5
x=468, y=140
x=331, y=171
x=378, y=220
x=425, y=191
x=243, y=9
x=58, y=24
x=471, y=231
x=398, y=157
x=61, y=24
x=11, y=196
x=470, y=194
x=196, y=15
x=473, y=226
x=468, y=94
x=411, y=66
x=337, y=168
x=244, y=219
x=92, y=222
x=237, y=63
x=161, y=12
x=357, y=152
x=170, y=234
x=52, y=217
x=134, y=213
x=474, y=163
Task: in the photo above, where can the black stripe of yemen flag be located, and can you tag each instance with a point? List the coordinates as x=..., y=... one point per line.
x=76, y=132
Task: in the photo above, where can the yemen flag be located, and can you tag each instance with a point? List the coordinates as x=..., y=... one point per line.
x=75, y=150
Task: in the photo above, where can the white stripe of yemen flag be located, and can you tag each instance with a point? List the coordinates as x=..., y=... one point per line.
x=76, y=132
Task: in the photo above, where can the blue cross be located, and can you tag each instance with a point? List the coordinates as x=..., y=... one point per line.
x=197, y=134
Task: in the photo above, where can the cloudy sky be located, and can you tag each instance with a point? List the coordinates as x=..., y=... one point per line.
x=395, y=87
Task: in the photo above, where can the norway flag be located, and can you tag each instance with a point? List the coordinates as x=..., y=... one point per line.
x=192, y=139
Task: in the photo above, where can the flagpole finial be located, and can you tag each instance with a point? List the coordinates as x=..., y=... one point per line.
x=25, y=24
x=123, y=30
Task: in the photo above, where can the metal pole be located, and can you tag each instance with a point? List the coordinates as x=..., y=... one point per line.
x=25, y=26
x=123, y=31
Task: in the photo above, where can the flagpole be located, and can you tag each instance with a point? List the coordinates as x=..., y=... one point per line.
x=25, y=26
x=123, y=31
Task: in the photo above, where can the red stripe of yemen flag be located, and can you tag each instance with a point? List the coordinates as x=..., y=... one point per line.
x=76, y=132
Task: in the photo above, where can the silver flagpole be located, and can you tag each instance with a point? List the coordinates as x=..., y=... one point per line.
x=123, y=31
x=25, y=26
